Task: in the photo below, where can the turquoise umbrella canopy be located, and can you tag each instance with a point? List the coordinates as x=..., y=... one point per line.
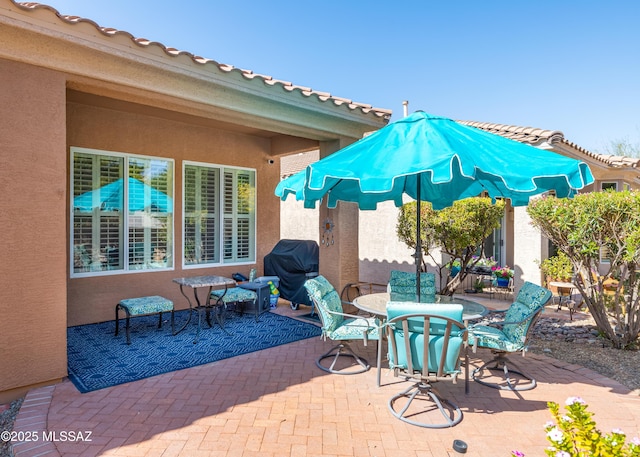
x=111, y=198
x=435, y=159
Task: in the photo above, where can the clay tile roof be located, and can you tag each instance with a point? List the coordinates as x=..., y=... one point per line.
x=536, y=136
x=292, y=164
x=529, y=135
x=172, y=52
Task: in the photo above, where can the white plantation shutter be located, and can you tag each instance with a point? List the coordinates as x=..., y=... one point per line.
x=239, y=202
x=219, y=215
x=201, y=187
x=117, y=226
x=98, y=228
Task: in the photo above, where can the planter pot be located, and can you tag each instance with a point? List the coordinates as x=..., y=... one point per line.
x=503, y=282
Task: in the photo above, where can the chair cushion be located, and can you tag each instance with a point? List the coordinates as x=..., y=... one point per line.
x=234, y=295
x=513, y=337
x=147, y=305
x=326, y=298
x=492, y=338
x=529, y=301
x=354, y=329
x=402, y=286
x=436, y=335
x=452, y=358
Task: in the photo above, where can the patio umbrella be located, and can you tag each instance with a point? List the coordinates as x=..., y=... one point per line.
x=435, y=159
x=110, y=198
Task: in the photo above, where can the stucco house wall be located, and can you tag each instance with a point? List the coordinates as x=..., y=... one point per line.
x=33, y=170
x=115, y=130
x=68, y=82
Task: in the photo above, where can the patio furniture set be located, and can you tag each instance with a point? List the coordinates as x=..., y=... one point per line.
x=428, y=340
x=428, y=336
x=221, y=292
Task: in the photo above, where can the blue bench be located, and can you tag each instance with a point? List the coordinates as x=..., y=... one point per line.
x=143, y=306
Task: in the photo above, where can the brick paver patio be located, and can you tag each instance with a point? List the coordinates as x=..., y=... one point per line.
x=276, y=402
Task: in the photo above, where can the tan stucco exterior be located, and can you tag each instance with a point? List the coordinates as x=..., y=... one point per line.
x=33, y=292
x=67, y=83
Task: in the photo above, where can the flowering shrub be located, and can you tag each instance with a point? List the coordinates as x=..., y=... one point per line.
x=502, y=272
x=574, y=434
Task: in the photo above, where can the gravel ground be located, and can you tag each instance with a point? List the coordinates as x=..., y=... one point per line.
x=591, y=352
x=620, y=365
x=6, y=424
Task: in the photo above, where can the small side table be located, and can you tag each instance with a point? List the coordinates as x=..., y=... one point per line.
x=205, y=282
x=565, y=291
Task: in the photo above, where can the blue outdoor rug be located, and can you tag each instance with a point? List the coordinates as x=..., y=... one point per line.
x=98, y=359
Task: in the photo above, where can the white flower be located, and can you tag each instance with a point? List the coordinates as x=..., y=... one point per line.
x=636, y=441
x=549, y=424
x=566, y=418
x=562, y=454
x=617, y=431
x=555, y=435
x=571, y=400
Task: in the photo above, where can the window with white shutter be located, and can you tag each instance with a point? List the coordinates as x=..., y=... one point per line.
x=219, y=215
x=122, y=213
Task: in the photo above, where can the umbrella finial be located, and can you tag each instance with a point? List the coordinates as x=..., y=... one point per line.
x=405, y=105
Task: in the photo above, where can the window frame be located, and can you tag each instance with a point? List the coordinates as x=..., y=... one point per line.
x=125, y=250
x=221, y=217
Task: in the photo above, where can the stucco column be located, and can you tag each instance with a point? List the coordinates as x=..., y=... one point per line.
x=527, y=249
x=339, y=261
x=33, y=224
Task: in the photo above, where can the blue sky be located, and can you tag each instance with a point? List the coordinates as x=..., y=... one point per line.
x=570, y=65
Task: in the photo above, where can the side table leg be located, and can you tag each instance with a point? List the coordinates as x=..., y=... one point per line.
x=190, y=312
x=218, y=309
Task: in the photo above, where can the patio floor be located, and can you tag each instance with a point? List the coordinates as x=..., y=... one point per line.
x=276, y=402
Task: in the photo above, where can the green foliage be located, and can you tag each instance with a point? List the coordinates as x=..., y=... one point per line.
x=457, y=231
x=557, y=267
x=582, y=228
x=574, y=434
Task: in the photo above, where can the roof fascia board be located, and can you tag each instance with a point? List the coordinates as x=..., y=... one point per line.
x=80, y=49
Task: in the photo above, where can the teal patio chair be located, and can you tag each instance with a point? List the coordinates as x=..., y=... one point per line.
x=425, y=344
x=402, y=286
x=509, y=336
x=339, y=326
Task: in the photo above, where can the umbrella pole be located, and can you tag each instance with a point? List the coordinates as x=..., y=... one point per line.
x=418, y=242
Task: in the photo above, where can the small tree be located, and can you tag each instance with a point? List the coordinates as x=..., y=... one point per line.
x=458, y=231
x=585, y=227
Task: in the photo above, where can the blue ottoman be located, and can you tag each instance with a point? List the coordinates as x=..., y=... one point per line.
x=143, y=306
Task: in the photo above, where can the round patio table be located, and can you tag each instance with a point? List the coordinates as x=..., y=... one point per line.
x=377, y=304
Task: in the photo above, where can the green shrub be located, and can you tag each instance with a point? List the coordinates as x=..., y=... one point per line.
x=600, y=233
x=557, y=267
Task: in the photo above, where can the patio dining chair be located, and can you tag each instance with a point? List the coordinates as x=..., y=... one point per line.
x=509, y=336
x=402, y=286
x=425, y=344
x=340, y=326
